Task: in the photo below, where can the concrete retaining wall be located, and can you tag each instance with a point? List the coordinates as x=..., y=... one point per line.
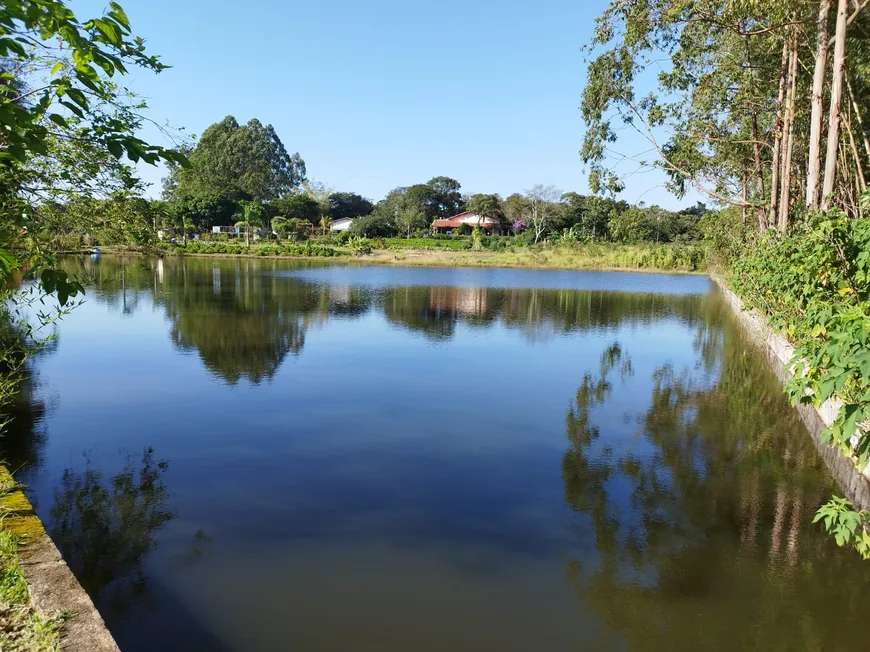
x=51, y=583
x=854, y=482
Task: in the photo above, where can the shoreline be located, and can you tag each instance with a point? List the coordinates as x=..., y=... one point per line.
x=778, y=351
x=556, y=259
x=54, y=593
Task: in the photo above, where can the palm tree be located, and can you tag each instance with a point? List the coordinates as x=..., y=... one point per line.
x=252, y=216
x=325, y=224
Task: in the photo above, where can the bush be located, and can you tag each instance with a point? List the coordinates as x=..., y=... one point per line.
x=726, y=231
x=433, y=243
x=361, y=246
x=814, y=285
x=374, y=226
x=198, y=247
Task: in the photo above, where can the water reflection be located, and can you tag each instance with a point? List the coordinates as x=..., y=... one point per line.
x=23, y=436
x=105, y=528
x=701, y=520
x=244, y=317
x=389, y=463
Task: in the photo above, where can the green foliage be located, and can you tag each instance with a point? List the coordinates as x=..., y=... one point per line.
x=200, y=247
x=714, y=88
x=464, y=229
x=814, y=285
x=65, y=123
x=360, y=246
x=296, y=205
x=13, y=589
x=348, y=204
x=446, y=199
x=727, y=232
x=241, y=161
x=291, y=228
x=653, y=224
x=438, y=197
x=376, y=225
x=409, y=220
x=486, y=205
x=848, y=526
x=476, y=243
x=430, y=243
x=23, y=629
x=201, y=210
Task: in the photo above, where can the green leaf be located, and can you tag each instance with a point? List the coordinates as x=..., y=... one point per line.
x=8, y=263
x=59, y=120
x=109, y=30
x=118, y=13
x=48, y=280
x=115, y=148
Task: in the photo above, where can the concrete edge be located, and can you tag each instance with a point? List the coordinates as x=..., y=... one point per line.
x=779, y=351
x=53, y=587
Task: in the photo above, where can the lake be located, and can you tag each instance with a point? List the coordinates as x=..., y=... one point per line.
x=245, y=455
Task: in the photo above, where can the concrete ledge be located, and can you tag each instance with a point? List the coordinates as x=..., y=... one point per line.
x=854, y=483
x=51, y=583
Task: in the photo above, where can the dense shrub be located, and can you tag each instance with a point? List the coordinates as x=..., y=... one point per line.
x=653, y=225
x=307, y=249
x=450, y=243
x=375, y=225
x=361, y=246
x=814, y=285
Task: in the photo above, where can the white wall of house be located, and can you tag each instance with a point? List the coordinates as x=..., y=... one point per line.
x=474, y=220
x=342, y=224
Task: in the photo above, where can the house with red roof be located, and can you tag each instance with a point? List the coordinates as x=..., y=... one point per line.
x=490, y=225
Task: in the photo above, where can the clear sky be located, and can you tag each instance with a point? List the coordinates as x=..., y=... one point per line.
x=384, y=93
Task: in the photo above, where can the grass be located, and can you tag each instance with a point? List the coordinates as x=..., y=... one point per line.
x=688, y=258
x=680, y=258
x=22, y=628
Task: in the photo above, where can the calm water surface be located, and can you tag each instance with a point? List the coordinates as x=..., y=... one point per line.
x=241, y=455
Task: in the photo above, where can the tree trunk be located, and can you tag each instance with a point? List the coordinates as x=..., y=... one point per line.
x=814, y=168
x=777, y=143
x=834, y=115
x=788, y=141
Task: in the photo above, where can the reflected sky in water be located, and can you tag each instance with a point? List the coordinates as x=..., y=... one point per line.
x=259, y=455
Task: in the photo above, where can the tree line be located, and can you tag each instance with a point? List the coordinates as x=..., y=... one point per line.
x=242, y=175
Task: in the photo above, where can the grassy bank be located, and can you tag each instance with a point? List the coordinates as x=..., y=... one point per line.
x=671, y=258
x=607, y=256
x=22, y=629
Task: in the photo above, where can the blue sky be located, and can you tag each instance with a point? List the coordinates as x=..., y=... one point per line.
x=386, y=93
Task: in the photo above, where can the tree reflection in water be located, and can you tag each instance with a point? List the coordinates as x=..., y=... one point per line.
x=244, y=317
x=701, y=523
x=105, y=528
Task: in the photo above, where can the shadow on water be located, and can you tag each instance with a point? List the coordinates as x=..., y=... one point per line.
x=701, y=522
